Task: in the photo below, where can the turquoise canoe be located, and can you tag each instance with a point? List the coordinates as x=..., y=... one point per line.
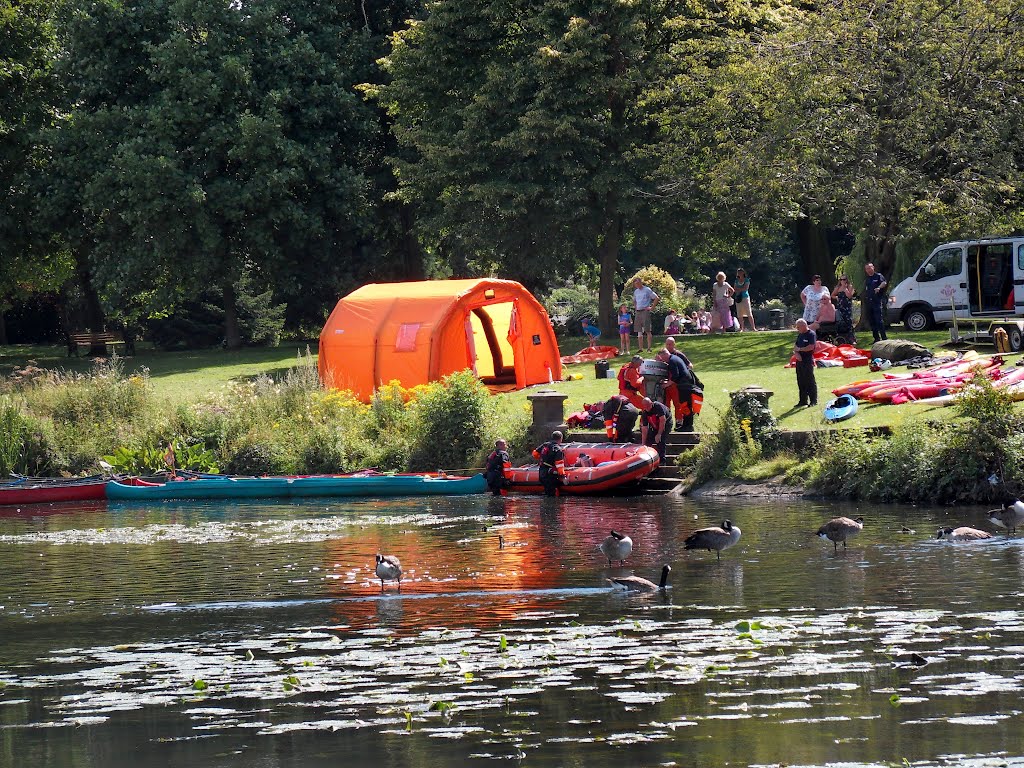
x=224, y=487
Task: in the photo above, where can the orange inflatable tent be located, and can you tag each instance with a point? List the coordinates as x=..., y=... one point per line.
x=423, y=331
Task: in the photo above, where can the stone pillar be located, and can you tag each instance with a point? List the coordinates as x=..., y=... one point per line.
x=548, y=415
x=758, y=393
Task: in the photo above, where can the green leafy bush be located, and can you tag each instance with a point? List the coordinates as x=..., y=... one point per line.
x=567, y=307
x=450, y=419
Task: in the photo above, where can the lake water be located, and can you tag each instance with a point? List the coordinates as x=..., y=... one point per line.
x=257, y=635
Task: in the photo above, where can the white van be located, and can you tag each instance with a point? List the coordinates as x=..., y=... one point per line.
x=975, y=278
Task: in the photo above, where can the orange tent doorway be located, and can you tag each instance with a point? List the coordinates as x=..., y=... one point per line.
x=419, y=332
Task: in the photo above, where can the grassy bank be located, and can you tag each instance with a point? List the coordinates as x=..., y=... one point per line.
x=261, y=410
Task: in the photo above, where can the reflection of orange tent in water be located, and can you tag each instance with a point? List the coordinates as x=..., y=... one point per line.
x=423, y=331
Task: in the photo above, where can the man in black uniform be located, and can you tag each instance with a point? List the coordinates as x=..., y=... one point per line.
x=552, y=463
x=655, y=421
x=620, y=416
x=806, y=340
x=497, y=463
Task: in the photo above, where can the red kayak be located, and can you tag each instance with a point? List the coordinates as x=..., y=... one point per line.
x=614, y=464
x=590, y=355
x=45, y=490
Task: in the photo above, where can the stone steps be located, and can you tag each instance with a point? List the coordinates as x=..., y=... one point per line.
x=665, y=477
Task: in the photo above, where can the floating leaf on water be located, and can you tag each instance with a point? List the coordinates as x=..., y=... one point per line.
x=290, y=683
x=441, y=706
x=895, y=700
x=408, y=720
x=199, y=685
x=307, y=663
x=743, y=626
x=984, y=636
x=249, y=655
x=502, y=644
x=468, y=676
x=443, y=662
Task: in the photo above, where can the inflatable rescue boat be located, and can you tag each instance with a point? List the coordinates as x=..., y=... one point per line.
x=614, y=464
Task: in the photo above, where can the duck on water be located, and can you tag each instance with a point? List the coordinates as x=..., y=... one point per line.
x=715, y=538
x=839, y=529
x=640, y=584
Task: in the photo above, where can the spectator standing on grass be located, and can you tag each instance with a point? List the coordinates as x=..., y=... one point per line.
x=806, y=340
x=721, y=294
x=842, y=297
x=644, y=300
x=874, y=288
x=742, y=298
x=811, y=296
x=625, y=321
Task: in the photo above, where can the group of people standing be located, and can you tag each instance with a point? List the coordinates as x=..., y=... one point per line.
x=726, y=298
x=682, y=396
x=822, y=306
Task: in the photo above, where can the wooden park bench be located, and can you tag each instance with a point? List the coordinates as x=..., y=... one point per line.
x=92, y=340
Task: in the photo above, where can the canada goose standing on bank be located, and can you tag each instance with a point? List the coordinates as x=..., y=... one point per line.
x=714, y=538
x=839, y=529
x=1009, y=517
x=962, y=534
x=388, y=569
x=616, y=546
x=640, y=584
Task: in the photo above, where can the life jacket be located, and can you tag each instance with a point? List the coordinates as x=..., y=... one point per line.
x=499, y=460
x=544, y=456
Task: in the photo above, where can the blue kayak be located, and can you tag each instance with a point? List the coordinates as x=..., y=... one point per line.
x=359, y=484
x=841, y=408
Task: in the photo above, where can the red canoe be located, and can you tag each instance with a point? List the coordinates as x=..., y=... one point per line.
x=45, y=490
x=615, y=464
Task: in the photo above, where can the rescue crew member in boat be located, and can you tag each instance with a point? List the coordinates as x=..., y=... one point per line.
x=499, y=465
x=551, y=458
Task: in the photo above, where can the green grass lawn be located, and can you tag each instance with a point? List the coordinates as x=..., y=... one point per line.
x=184, y=376
x=725, y=363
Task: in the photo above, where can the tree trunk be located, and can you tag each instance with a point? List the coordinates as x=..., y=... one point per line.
x=232, y=336
x=880, y=250
x=3, y=329
x=611, y=239
x=94, y=315
x=412, y=253
x=815, y=255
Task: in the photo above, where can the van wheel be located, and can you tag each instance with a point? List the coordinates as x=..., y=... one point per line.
x=1015, y=337
x=918, y=320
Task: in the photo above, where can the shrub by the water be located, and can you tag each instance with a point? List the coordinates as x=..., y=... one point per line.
x=450, y=423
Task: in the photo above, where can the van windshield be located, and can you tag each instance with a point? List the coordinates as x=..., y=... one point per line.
x=943, y=264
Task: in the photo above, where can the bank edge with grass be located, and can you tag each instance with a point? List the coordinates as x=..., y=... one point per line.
x=63, y=423
x=976, y=458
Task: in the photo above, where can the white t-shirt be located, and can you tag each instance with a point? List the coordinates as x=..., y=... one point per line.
x=813, y=304
x=644, y=297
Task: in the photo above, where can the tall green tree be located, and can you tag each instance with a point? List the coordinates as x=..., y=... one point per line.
x=208, y=140
x=897, y=118
x=532, y=136
x=29, y=261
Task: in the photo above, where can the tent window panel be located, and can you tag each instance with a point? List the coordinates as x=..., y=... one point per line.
x=406, y=339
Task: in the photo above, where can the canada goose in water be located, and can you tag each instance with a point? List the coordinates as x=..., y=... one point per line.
x=616, y=546
x=1009, y=517
x=962, y=534
x=839, y=529
x=640, y=584
x=714, y=538
x=502, y=543
x=388, y=569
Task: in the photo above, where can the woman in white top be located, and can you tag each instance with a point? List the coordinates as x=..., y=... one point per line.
x=811, y=296
x=721, y=292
